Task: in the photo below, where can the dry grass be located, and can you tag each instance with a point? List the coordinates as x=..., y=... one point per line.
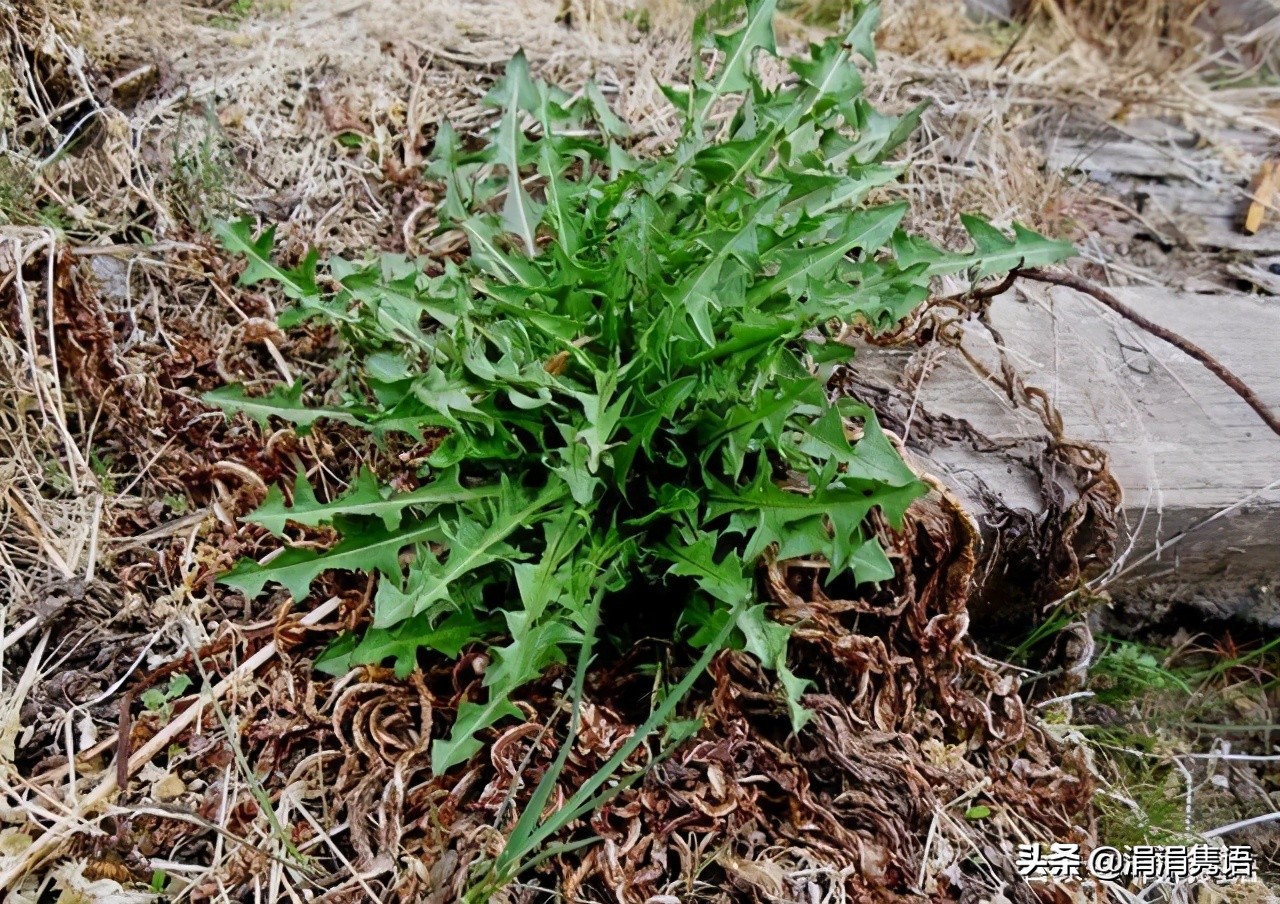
x=1142, y=31
x=124, y=128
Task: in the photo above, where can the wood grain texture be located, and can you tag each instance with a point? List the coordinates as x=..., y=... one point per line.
x=1207, y=220
x=1201, y=473
x=1177, y=179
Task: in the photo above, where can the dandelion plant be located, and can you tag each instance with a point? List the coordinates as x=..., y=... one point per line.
x=626, y=366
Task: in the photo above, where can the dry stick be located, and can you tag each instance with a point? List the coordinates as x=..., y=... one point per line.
x=56, y=834
x=18, y=633
x=1216, y=367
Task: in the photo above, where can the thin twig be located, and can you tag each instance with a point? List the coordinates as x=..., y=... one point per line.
x=989, y=292
x=1242, y=824
x=1187, y=347
x=124, y=746
x=18, y=633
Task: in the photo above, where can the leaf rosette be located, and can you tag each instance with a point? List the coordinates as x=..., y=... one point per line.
x=628, y=366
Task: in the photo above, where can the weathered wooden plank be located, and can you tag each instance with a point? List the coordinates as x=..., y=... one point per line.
x=1176, y=181
x=1226, y=17
x=1204, y=218
x=990, y=10
x=1150, y=149
x=1200, y=471
x=1105, y=156
x=1264, y=272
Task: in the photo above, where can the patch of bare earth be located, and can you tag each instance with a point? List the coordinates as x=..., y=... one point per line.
x=158, y=733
